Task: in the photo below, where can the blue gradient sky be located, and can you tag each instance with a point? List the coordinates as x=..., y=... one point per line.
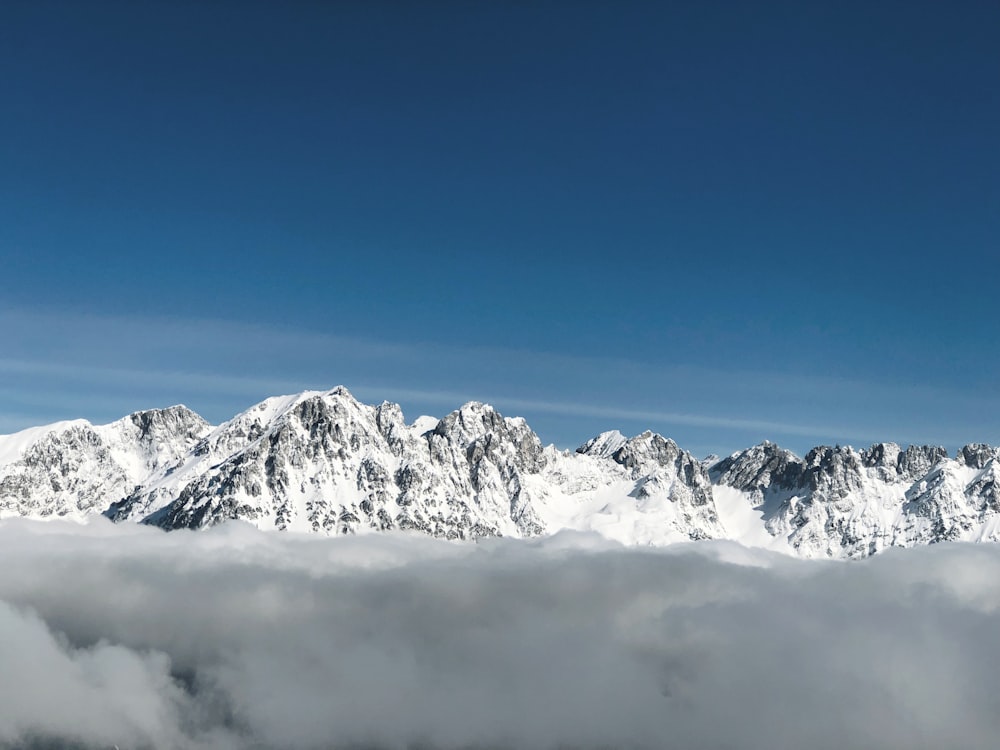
x=721, y=221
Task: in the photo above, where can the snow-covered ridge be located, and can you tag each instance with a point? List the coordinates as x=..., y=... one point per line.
x=322, y=462
x=74, y=469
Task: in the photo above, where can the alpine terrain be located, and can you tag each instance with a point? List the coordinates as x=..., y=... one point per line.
x=325, y=463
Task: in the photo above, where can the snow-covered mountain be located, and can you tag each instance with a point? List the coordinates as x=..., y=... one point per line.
x=73, y=469
x=325, y=463
x=839, y=502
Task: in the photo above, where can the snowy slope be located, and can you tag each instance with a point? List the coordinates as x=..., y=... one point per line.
x=73, y=469
x=839, y=502
x=325, y=463
x=322, y=462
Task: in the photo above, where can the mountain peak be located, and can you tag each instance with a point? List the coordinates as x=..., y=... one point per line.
x=977, y=455
x=322, y=462
x=603, y=445
x=473, y=419
x=340, y=391
x=647, y=449
x=759, y=470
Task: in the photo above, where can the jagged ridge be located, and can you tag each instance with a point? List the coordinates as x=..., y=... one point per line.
x=322, y=462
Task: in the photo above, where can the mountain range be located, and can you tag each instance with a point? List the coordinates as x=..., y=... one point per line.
x=323, y=462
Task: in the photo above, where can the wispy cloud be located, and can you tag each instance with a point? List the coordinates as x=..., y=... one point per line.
x=251, y=386
x=110, y=376
x=673, y=418
x=112, y=365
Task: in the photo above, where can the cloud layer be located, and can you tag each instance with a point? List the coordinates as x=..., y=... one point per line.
x=235, y=638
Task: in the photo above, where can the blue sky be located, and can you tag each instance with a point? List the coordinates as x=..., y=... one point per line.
x=721, y=221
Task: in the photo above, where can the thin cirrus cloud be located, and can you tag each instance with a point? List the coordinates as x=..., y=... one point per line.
x=209, y=383
x=58, y=365
x=233, y=638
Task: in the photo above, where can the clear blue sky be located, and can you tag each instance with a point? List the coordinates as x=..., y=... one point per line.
x=724, y=221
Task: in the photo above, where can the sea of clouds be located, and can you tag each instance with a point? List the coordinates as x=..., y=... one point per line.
x=233, y=638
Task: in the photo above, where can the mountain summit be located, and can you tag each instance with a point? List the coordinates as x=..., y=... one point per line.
x=322, y=462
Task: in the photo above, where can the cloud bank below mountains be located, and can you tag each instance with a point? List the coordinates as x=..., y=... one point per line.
x=234, y=638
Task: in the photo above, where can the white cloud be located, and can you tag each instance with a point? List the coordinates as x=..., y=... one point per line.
x=50, y=690
x=237, y=638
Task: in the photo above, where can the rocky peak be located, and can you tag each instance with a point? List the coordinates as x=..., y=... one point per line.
x=881, y=454
x=604, y=445
x=162, y=435
x=756, y=470
x=837, y=470
x=883, y=460
x=78, y=468
x=56, y=448
x=647, y=449
x=917, y=460
x=176, y=421
x=985, y=488
x=333, y=412
x=976, y=455
x=323, y=462
x=473, y=420
x=391, y=424
x=892, y=464
x=663, y=468
x=480, y=431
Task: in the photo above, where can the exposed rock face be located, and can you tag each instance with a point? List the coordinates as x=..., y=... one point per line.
x=604, y=445
x=977, y=455
x=328, y=464
x=325, y=463
x=662, y=469
x=838, y=502
x=77, y=469
x=917, y=460
x=758, y=470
